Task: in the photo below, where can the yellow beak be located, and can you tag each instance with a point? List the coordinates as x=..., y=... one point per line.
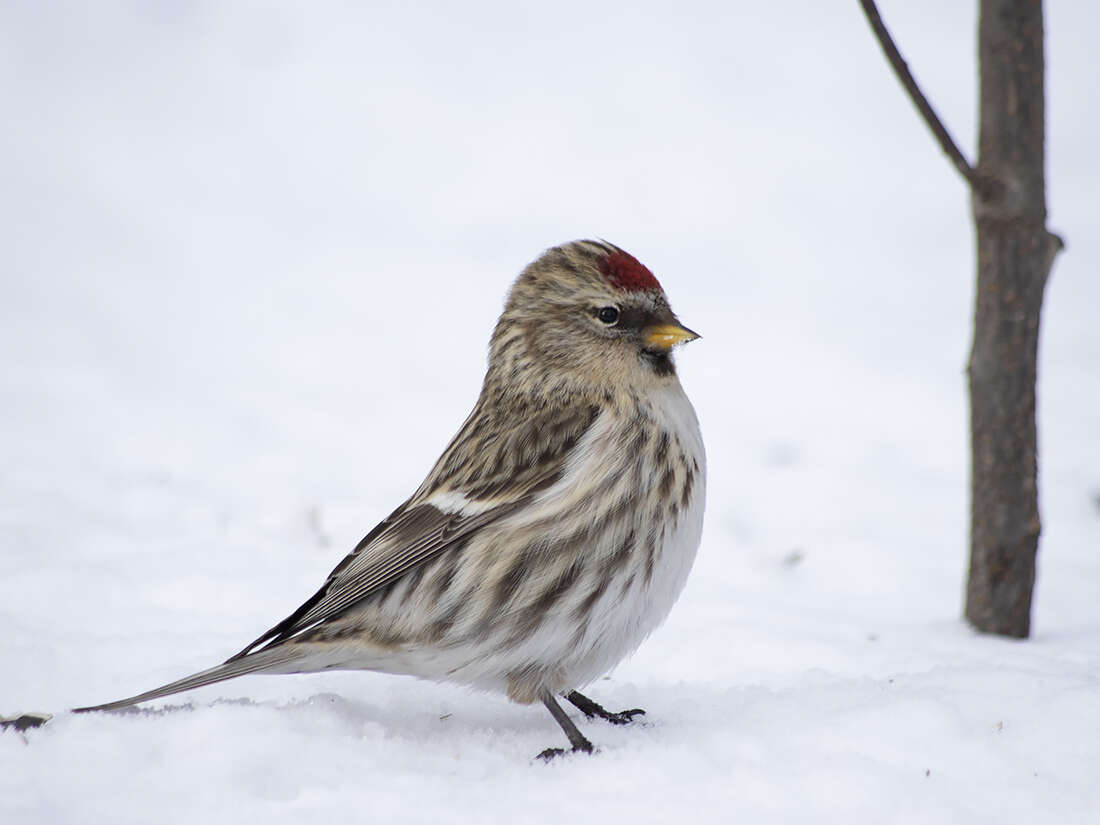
x=666, y=336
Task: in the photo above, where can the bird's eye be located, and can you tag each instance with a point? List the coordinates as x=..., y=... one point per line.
x=609, y=315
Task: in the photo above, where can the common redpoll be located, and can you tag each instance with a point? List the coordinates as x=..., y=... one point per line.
x=555, y=531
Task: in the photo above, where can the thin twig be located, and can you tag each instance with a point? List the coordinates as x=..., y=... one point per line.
x=918, y=98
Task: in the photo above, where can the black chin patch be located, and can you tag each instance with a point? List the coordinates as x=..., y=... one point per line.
x=659, y=361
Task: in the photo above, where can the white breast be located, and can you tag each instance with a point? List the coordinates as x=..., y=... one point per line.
x=624, y=620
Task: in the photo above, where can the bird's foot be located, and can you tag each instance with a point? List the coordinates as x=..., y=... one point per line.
x=552, y=753
x=576, y=738
x=623, y=717
x=592, y=709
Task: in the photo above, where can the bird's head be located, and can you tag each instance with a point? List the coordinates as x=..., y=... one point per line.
x=585, y=316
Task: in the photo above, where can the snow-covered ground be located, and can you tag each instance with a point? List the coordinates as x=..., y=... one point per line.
x=250, y=256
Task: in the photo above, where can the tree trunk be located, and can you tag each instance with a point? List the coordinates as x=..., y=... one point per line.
x=1015, y=253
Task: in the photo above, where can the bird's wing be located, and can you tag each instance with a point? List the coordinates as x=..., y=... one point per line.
x=485, y=474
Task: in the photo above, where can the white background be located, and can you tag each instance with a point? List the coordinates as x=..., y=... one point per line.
x=250, y=257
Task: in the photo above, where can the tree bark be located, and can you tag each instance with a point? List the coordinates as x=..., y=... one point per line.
x=1015, y=254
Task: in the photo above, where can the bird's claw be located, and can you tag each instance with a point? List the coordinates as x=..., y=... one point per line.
x=592, y=709
x=552, y=753
x=623, y=717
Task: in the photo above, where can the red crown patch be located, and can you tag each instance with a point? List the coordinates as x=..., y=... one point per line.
x=624, y=271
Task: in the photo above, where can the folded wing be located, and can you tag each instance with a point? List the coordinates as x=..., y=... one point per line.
x=483, y=476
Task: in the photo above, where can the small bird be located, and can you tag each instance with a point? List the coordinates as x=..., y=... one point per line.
x=555, y=531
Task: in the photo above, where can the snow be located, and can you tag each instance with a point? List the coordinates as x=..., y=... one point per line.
x=252, y=254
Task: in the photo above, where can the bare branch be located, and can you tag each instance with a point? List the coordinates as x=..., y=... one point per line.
x=918, y=98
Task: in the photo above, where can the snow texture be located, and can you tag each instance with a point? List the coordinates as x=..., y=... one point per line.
x=251, y=257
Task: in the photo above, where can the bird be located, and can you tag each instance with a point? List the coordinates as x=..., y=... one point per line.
x=556, y=530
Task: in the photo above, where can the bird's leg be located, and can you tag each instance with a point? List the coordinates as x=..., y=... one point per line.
x=590, y=709
x=576, y=738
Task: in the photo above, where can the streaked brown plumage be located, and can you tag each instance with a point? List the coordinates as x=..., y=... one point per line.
x=557, y=528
